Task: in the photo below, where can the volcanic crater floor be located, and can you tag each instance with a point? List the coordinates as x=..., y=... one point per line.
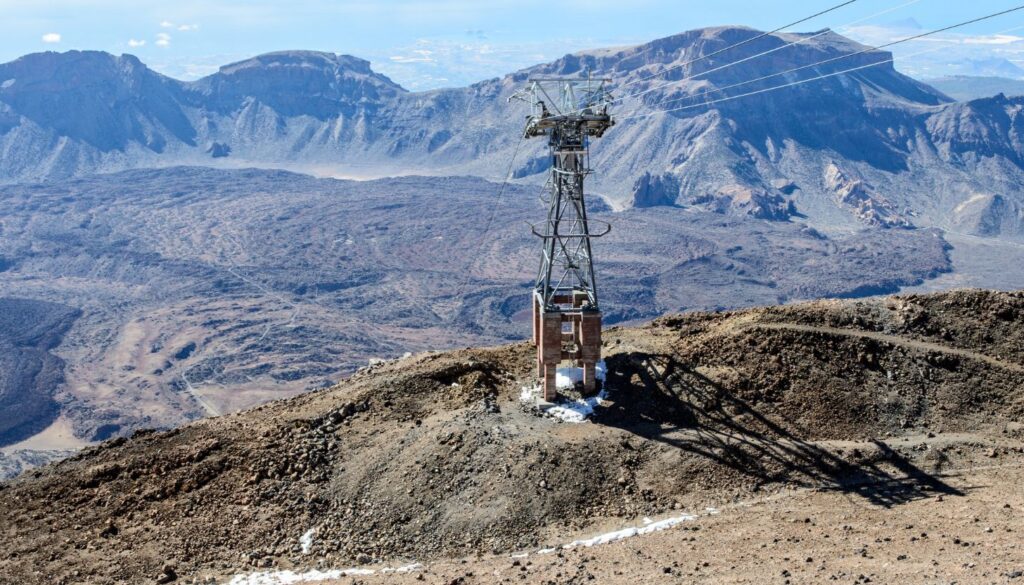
x=851, y=441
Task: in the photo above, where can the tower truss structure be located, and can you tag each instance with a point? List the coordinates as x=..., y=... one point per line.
x=566, y=309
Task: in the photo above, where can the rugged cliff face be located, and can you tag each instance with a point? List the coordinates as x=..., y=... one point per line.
x=915, y=155
x=324, y=86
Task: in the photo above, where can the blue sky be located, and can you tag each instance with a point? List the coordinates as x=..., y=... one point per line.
x=424, y=44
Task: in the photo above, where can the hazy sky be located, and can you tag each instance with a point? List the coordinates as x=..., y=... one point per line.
x=424, y=44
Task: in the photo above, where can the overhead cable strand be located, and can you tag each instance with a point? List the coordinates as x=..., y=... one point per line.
x=812, y=65
x=760, y=91
x=494, y=211
x=741, y=43
x=799, y=82
x=762, y=54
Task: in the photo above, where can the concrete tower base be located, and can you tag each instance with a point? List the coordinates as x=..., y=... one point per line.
x=572, y=333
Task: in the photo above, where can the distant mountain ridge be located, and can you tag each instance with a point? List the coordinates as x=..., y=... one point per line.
x=871, y=147
x=295, y=83
x=970, y=87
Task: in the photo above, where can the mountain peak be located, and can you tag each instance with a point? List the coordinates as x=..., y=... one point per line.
x=300, y=59
x=103, y=91
x=294, y=83
x=695, y=61
x=94, y=66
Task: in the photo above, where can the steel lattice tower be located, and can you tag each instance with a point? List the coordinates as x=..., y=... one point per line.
x=566, y=312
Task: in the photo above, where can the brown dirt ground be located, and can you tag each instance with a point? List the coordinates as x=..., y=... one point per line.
x=800, y=536
x=851, y=410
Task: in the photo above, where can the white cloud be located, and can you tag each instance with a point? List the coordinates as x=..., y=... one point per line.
x=163, y=40
x=136, y=43
x=948, y=53
x=996, y=39
x=456, y=61
x=191, y=67
x=180, y=27
x=410, y=59
x=416, y=56
x=51, y=38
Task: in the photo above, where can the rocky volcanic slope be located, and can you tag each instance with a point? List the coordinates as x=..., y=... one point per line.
x=433, y=455
x=204, y=291
x=869, y=147
x=29, y=374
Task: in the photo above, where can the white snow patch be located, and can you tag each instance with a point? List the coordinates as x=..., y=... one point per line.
x=404, y=569
x=578, y=410
x=312, y=576
x=568, y=377
x=571, y=411
x=306, y=540
x=649, y=527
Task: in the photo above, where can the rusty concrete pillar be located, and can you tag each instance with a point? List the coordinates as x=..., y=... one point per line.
x=548, y=382
x=589, y=377
x=590, y=347
x=550, y=351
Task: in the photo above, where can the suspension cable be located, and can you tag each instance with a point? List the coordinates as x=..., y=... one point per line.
x=494, y=211
x=741, y=43
x=762, y=54
x=791, y=84
x=840, y=57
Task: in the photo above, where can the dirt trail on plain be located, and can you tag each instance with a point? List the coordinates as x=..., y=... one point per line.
x=895, y=340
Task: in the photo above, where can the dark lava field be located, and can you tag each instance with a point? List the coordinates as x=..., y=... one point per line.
x=205, y=291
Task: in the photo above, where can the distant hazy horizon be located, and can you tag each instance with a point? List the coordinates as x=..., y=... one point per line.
x=429, y=44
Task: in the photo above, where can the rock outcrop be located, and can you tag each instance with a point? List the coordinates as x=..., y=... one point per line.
x=862, y=199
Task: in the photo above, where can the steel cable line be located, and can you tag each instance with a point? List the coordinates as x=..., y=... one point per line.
x=834, y=59
x=762, y=54
x=791, y=84
x=741, y=43
x=752, y=57
x=490, y=219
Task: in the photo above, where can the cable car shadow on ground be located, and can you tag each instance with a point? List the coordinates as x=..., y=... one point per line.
x=660, y=398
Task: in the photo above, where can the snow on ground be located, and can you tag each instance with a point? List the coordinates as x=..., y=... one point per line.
x=648, y=527
x=312, y=576
x=569, y=377
x=571, y=411
x=289, y=577
x=306, y=540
